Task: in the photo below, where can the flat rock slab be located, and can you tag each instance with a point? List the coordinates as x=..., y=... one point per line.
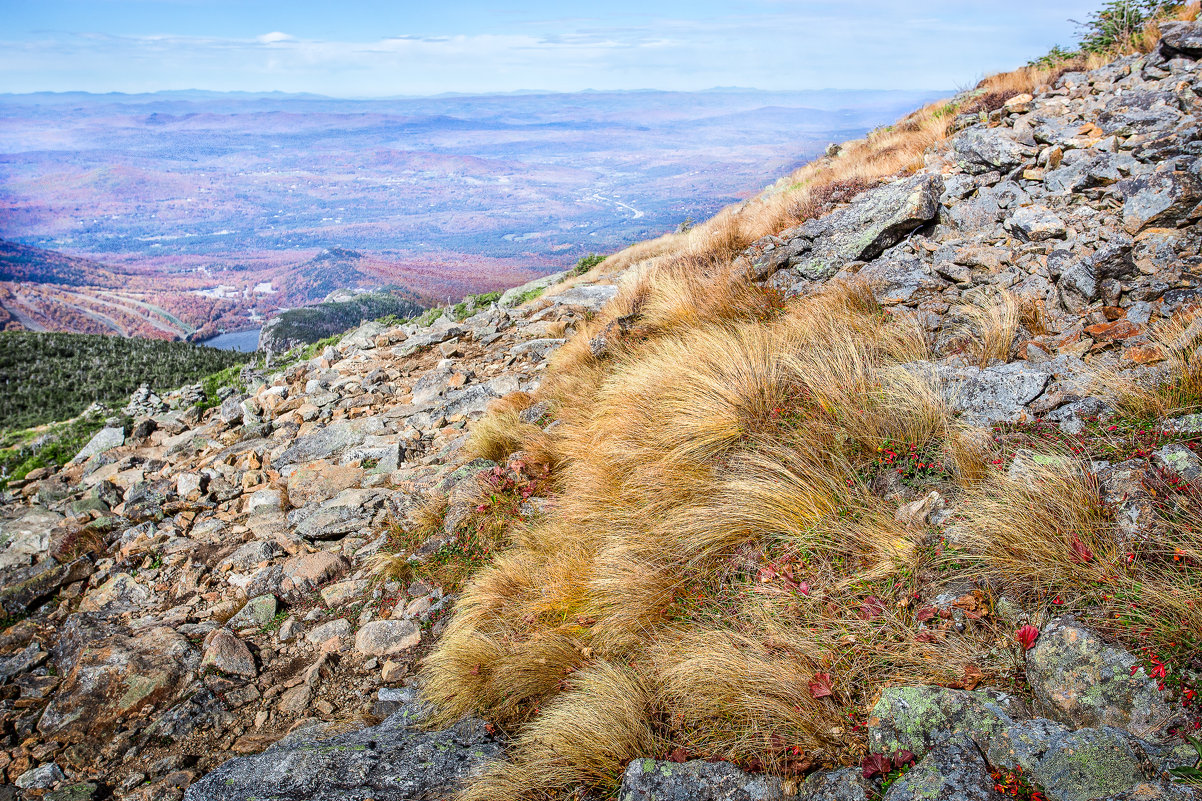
x=698, y=780
x=394, y=761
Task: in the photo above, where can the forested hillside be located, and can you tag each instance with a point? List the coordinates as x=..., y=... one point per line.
x=308, y=324
x=46, y=377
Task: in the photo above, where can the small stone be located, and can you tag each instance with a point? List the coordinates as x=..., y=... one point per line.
x=257, y=612
x=393, y=671
x=1035, y=224
x=387, y=637
x=340, y=627
x=42, y=777
x=228, y=654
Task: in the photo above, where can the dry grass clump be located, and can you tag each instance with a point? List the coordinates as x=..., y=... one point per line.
x=496, y=436
x=990, y=326
x=1175, y=386
x=709, y=459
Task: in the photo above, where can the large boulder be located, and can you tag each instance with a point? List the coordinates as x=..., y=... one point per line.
x=25, y=539
x=919, y=718
x=1080, y=681
x=394, y=761
x=330, y=440
x=1181, y=39
x=952, y=771
x=1161, y=199
x=103, y=440
x=875, y=220
x=698, y=780
x=981, y=150
x=113, y=678
x=989, y=395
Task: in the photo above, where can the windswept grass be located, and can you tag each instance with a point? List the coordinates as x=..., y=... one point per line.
x=724, y=572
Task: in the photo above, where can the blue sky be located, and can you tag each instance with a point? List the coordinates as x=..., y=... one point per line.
x=375, y=48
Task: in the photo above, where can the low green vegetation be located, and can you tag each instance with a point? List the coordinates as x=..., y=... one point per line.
x=474, y=303
x=24, y=451
x=309, y=324
x=529, y=295
x=590, y=261
x=1116, y=27
x=48, y=377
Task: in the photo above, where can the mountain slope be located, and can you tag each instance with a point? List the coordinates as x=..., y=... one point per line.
x=787, y=505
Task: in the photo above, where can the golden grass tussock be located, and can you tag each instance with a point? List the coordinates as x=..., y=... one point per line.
x=1043, y=520
x=694, y=462
x=496, y=436
x=602, y=718
x=991, y=323
x=1176, y=388
x=723, y=570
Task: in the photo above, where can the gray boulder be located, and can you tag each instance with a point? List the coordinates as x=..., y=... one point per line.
x=1080, y=681
x=394, y=761
x=697, y=780
x=104, y=440
x=1181, y=38
x=875, y=220
x=846, y=784
x=590, y=297
x=231, y=410
x=980, y=150
x=952, y=771
x=1162, y=199
x=1088, y=764
x=989, y=395
x=1035, y=224
x=919, y=718
x=330, y=440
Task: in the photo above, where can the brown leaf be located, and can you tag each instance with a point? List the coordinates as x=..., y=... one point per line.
x=972, y=676
x=678, y=754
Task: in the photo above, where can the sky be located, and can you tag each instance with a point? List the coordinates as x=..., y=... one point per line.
x=371, y=48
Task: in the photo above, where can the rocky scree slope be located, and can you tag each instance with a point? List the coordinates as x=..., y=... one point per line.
x=190, y=611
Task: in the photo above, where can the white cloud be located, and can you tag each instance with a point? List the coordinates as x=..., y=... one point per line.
x=275, y=36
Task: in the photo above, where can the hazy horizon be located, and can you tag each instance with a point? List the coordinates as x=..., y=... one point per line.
x=373, y=49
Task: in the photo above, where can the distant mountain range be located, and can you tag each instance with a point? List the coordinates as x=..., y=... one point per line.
x=181, y=214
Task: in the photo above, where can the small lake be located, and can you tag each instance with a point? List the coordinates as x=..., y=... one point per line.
x=243, y=341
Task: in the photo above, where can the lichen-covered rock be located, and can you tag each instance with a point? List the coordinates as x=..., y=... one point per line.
x=846, y=784
x=979, y=150
x=876, y=219
x=1089, y=763
x=1035, y=224
x=697, y=780
x=394, y=761
x=1024, y=744
x=1080, y=681
x=113, y=678
x=952, y=771
x=918, y=718
x=989, y=395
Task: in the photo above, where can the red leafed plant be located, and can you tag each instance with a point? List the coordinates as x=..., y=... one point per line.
x=1081, y=551
x=820, y=685
x=1012, y=784
x=876, y=765
x=1027, y=636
